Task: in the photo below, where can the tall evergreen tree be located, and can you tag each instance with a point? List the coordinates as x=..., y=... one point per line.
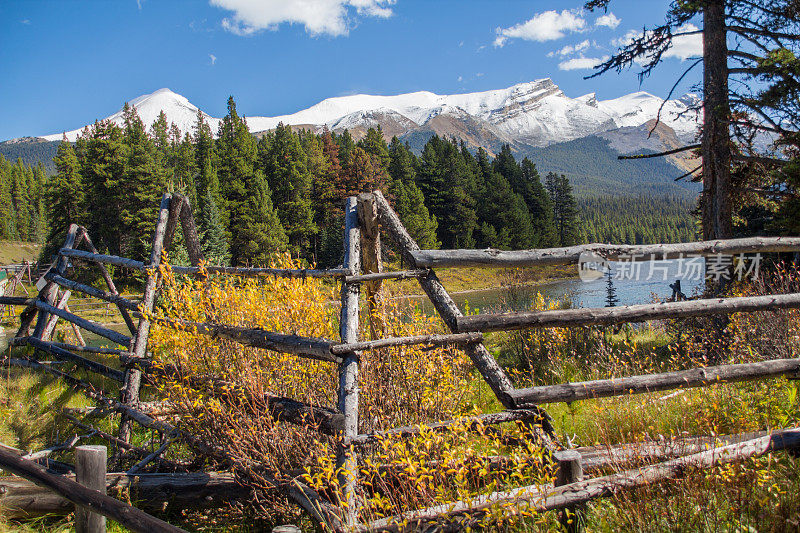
x=446, y=181
x=539, y=204
x=565, y=208
x=291, y=183
x=103, y=159
x=254, y=226
x=65, y=197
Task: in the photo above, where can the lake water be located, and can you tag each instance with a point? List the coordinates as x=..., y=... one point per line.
x=652, y=281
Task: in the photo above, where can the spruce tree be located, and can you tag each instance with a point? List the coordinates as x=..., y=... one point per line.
x=142, y=183
x=103, y=161
x=65, y=197
x=291, y=183
x=446, y=180
x=213, y=240
x=539, y=204
x=565, y=209
x=255, y=229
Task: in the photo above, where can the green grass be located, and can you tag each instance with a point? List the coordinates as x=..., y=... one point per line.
x=12, y=252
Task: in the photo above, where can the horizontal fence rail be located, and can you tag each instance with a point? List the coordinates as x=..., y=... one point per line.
x=132, y=264
x=631, y=313
x=571, y=254
x=696, y=377
x=91, y=291
x=470, y=422
x=88, y=325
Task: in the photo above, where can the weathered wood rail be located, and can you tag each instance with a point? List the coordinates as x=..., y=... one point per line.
x=365, y=217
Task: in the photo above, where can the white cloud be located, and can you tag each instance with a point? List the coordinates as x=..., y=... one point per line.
x=608, y=20
x=320, y=17
x=626, y=39
x=213, y=59
x=683, y=47
x=25, y=21
x=581, y=63
x=686, y=46
x=546, y=26
x=570, y=49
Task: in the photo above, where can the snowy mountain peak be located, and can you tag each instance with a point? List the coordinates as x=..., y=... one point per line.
x=536, y=113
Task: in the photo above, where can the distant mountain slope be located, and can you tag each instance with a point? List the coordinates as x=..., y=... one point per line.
x=593, y=168
x=32, y=150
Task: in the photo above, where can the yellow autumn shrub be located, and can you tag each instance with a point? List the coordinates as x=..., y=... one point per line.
x=398, y=386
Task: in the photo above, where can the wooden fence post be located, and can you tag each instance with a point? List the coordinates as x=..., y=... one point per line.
x=569, y=471
x=90, y=470
x=133, y=377
x=371, y=262
x=348, y=369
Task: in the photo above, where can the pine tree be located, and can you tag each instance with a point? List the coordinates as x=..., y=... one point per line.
x=503, y=213
x=408, y=198
x=255, y=229
x=291, y=183
x=142, y=183
x=212, y=234
x=374, y=144
x=565, y=209
x=65, y=197
x=329, y=204
x=611, y=291
x=539, y=204
x=446, y=180
x=103, y=161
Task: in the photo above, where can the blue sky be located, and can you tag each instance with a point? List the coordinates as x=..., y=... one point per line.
x=65, y=63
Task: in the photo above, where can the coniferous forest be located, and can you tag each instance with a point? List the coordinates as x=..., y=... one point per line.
x=284, y=191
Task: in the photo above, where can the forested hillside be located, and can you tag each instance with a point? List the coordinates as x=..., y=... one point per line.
x=637, y=219
x=22, y=212
x=594, y=170
x=283, y=191
x=32, y=151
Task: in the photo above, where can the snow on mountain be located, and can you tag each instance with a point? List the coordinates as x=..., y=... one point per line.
x=178, y=109
x=536, y=113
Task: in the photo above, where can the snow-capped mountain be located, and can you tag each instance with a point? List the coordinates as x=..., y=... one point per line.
x=536, y=113
x=178, y=109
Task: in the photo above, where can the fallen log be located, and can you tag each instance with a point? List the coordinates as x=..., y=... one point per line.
x=322, y=419
x=124, y=514
x=612, y=252
x=696, y=377
x=631, y=313
x=21, y=499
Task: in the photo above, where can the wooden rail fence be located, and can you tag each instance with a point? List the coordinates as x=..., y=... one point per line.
x=366, y=216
